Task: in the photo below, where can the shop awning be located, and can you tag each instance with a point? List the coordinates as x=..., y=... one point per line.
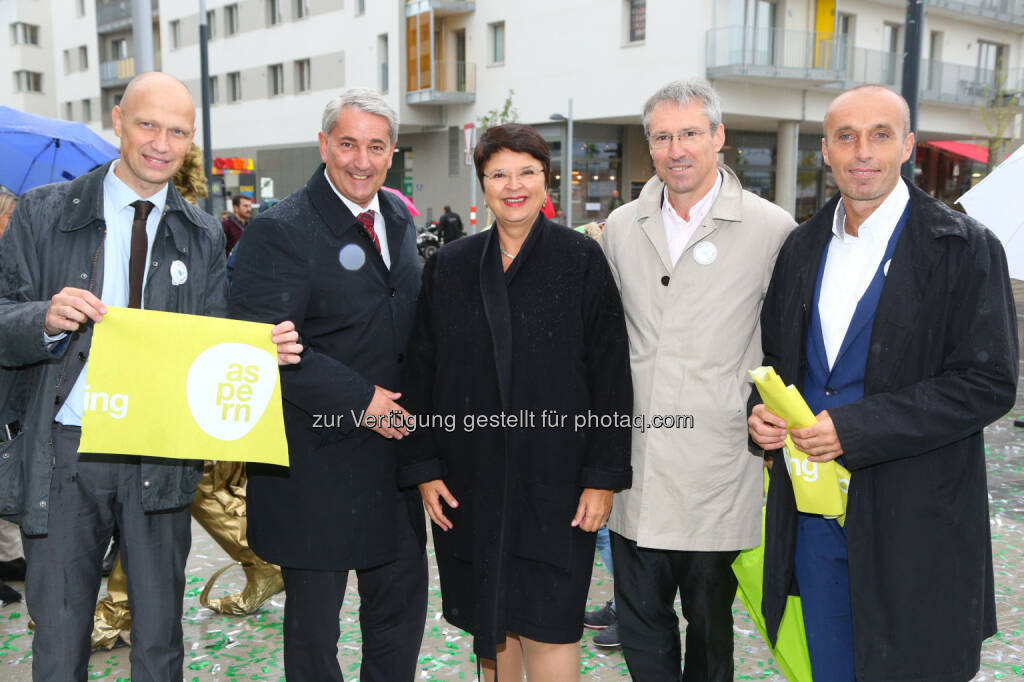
x=965, y=149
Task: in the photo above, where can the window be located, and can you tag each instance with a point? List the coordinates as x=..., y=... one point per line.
x=231, y=19
x=234, y=87
x=86, y=110
x=759, y=32
x=360, y=7
x=455, y=138
x=28, y=81
x=80, y=6
x=67, y=62
x=498, y=43
x=382, y=62
x=211, y=24
x=302, y=79
x=175, y=34
x=301, y=9
x=119, y=49
x=69, y=113
x=83, y=57
x=637, y=20
x=991, y=64
x=214, y=90
x=273, y=12
x=275, y=79
x=892, y=59
x=24, y=34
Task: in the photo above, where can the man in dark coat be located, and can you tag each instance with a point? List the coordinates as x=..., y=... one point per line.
x=895, y=318
x=120, y=235
x=234, y=224
x=340, y=256
x=450, y=224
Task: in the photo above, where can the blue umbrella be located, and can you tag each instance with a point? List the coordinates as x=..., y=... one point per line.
x=35, y=150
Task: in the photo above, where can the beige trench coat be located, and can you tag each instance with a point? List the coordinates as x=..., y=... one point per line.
x=694, y=331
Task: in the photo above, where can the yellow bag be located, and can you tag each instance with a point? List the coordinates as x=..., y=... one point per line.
x=819, y=488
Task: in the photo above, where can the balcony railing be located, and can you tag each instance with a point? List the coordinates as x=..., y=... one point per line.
x=774, y=53
x=1005, y=11
x=120, y=71
x=116, y=15
x=442, y=8
x=454, y=83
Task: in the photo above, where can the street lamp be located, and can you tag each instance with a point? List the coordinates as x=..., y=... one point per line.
x=568, y=160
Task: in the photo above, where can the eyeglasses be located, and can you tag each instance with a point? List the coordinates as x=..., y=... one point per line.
x=503, y=177
x=685, y=137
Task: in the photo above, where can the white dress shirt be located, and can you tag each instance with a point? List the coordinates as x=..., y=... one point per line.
x=851, y=265
x=117, y=249
x=378, y=219
x=677, y=230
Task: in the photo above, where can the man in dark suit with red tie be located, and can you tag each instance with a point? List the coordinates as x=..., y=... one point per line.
x=339, y=258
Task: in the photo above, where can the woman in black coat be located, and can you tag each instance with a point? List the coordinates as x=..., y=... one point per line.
x=518, y=374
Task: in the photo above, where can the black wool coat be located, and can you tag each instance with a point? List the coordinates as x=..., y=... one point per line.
x=552, y=338
x=942, y=365
x=338, y=505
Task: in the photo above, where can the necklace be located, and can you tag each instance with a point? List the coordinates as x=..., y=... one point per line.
x=506, y=253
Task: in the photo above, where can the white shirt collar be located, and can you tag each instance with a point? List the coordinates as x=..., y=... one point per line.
x=881, y=222
x=352, y=206
x=119, y=195
x=699, y=210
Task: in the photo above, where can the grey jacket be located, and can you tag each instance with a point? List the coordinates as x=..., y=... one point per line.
x=54, y=240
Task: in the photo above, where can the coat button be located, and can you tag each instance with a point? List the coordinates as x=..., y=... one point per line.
x=401, y=358
x=82, y=356
x=75, y=200
x=6, y=455
x=145, y=484
x=84, y=276
x=665, y=280
x=829, y=391
x=56, y=400
x=156, y=263
x=393, y=291
x=42, y=503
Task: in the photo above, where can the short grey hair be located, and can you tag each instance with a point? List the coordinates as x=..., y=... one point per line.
x=363, y=99
x=682, y=93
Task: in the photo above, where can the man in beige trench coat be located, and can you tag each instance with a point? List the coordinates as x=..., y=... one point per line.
x=692, y=256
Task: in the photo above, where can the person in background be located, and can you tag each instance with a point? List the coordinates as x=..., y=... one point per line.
x=7, y=203
x=450, y=224
x=235, y=223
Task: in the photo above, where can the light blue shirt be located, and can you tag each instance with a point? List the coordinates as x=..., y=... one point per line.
x=117, y=248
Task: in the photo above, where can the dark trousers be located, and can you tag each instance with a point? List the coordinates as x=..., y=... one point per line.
x=392, y=613
x=646, y=581
x=87, y=496
x=822, y=569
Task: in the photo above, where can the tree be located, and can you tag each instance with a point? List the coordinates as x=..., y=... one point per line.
x=999, y=116
x=506, y=113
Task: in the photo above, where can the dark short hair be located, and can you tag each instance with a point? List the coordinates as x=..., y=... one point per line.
x=237, y=199
x=447, y=209
x=515, y=137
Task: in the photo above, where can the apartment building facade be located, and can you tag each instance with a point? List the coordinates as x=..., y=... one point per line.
x=445, y=63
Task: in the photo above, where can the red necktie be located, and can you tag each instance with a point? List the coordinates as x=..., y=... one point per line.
x=139, y=249
x=366, y=218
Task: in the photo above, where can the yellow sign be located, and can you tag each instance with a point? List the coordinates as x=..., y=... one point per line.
x=185, y=387
x=819, y=487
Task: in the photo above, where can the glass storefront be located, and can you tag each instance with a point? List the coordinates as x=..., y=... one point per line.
x=596, y=172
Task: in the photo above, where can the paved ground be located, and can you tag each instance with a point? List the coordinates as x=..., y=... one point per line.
x=249, y=648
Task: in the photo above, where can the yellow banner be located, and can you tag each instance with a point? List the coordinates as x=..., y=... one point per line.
x=183, y=386
x=819, y=488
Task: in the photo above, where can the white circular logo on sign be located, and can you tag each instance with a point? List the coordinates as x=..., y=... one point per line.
x=229, y=387
x=705, y=253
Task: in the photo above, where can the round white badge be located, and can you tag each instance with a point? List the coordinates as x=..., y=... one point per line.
x=705, y=253
x=352, y=257
x=885, y=268
x=179, y=273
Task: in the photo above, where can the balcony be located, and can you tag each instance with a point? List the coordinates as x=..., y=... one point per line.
x=810, y=59
x=999, y=11
x=775, y=53
x=118, y=72
x=940, y=81
x=117, y=16
x=450, y=83
x=441, y=8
